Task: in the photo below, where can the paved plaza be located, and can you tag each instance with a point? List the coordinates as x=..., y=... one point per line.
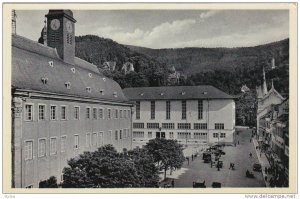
x=197, y=170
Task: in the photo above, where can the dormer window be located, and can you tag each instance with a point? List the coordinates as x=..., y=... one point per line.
x=73, y=70
x=161, y=94
x=102, y=91
x=88, y=89
x=104, y=79
x=51, y=64
x=204, y=93
x=90, y=75
x=182, y=93
x=115, y=94
x=44, y=80
x=142, y=94
x=68, y=85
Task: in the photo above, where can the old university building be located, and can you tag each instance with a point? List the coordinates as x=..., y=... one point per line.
x=189, y=114
x=61, y=105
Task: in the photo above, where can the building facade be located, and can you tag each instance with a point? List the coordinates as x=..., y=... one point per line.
x=61, y=105
x=189, y=114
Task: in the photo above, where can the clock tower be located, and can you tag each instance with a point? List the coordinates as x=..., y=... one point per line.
x=61, y=33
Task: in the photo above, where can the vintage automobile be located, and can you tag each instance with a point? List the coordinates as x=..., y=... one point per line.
x=206, y=157
x=199, y=184
x=216, y=185
x=256, y=167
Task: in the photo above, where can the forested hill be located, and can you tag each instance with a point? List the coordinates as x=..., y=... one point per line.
x=193, y=60
x=97, y=50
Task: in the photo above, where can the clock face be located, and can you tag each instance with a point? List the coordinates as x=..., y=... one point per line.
x=69, y=26
x=55, y=23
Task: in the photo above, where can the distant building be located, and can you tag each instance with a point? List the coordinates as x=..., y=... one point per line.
x=127, y=68
x=61, y=105
x=174, y=77
x=245, y=88
x=109, y=65
x=189, y=114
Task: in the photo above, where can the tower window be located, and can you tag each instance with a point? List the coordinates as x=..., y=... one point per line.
x=88, y=89
x=51, y=63
x=102, y=91
x=73, y=70
x=90, y=75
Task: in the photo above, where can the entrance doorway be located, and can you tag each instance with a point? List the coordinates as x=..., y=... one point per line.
x=160, y=135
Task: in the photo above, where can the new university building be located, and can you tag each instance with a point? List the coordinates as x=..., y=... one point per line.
x=63, y=106
x=189, y=114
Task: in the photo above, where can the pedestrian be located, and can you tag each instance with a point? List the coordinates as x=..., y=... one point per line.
x=173, y=183
x=188, y=160
x=192, y=157
x=266, y=170
x=238, y=142
x=260, y=154
x=250, y=139
x=266, y=178
x=250, y=155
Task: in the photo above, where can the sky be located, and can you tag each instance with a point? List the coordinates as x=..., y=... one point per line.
x=171, y=28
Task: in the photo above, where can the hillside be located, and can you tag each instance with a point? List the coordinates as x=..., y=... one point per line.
x=97, y=50
x=193, y=60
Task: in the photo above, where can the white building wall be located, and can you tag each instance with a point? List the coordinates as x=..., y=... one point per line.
x=214, y=111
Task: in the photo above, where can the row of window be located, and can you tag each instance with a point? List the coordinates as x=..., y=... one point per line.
x=140, y=125
x=97, y=113
x=92, y=140
x=219, y=135
x=180, y=135
x=168, y=109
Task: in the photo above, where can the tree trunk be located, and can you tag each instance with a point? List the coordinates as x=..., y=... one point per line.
x=171, y=170
x=165, y=172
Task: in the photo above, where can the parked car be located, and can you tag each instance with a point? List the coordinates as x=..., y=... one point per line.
x=256, y=167
x=216, y=185
x=199, y=184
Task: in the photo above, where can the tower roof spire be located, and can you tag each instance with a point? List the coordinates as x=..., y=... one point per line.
x=265, y=89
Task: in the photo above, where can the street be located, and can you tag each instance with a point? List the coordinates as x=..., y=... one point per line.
x=197, y=170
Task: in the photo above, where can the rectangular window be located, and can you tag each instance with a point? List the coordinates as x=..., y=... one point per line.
x=125, y=114
x=222, y=135
x=76, y=112
x=116, y=135
x=200, y=125
x=100, y=139
x=120, y=134
x=76, y=141
x=28, y=150
x=42, y=147
x=149, y=134
x=53, y=113
x=184, y=125
x=168, y=125
x=152, y=110
x=184, y=135
x=94, y=113
x=200, y=136
x=152, y=125
x=53, y=146
x=215, y=135
x=94, y=139
x=101, y=113
x=63, y=143
x=168, y=110
x=129, y=114
x=116, y=113
x=138, y=134
x=28, y=112
x=88, y=140
x=63, y=112
x=138, y=125
x=138, y=110
x=200, y=109
x=88, y=113
x=171, y=135
x=183, y=108
x=121, y=114
x=109, y=113
x=219, y=125
x=42, y=109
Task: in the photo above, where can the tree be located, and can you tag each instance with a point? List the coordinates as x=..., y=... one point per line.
x=168, y=154
x=145, y=165
x=49, y=183
x=109, y=169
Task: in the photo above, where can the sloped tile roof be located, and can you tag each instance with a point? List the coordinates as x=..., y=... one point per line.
x=175, y=92
x=30, y=63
